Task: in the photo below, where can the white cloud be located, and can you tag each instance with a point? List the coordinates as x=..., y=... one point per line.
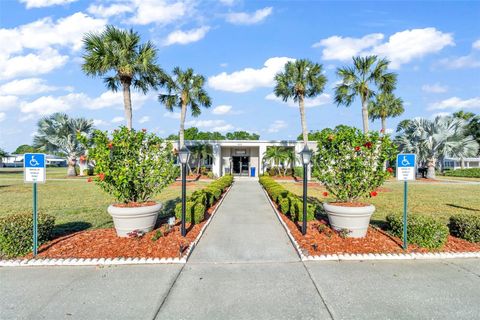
x=99, y=122
x=28, y=86
x=117, y=119
x=213, y=125
x=276, y=126
x=3, y=115
x=469, y=61
x=249, y=18
x=45, y=33
x=476, y=45
x=344, y=48
x=249, y=78
x=31, y=64
x=456, y=103
x=185, y=37
x=110, y=99
x=158, y=11
x=48, y=104
x=434, y=88
x=440, y=114
x=322, y=99
x=107, y=12
x=401, y=47
x=144, y=119
x=8, y=102
x=222, y=109
x=172, y=115
x=44, y=3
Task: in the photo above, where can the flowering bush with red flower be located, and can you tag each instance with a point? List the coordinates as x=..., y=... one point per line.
x=131, y=165
x=352, y=165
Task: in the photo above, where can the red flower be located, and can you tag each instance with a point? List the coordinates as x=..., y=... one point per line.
x=89, y=179
x=373, y=194
x=382, y=131
x=390, y=170
x=82, y=158
x=144, y=130
x=330, y=137
x=357, y=148
x=368, y=145
x=101, y=176
x=110, y=145
x=325, y=193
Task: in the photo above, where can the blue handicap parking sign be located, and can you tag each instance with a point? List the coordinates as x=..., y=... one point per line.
x=406, y=160
x=34, y=160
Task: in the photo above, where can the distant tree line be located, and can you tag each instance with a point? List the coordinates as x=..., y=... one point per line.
x=194, y=134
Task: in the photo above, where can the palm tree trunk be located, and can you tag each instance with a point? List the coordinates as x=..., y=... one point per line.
x=127, y=103
x=384, y=124
x=71, y=167
x=431, y=168
x=182, y=124
x=302, y=118
x=365, y=114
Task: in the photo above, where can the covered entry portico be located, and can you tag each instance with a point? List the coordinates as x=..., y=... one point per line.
x=245, y=157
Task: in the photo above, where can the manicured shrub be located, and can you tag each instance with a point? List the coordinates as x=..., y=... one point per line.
x=469, y=173
x=16, y=233
x=465, y=226
x=284, y=205
x=422, y=230
x=298, y=172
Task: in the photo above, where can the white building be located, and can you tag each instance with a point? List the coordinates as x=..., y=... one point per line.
x=244, y=157
x=456, y=163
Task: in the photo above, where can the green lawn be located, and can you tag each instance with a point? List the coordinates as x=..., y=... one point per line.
x=75, y=203
x=434, y=199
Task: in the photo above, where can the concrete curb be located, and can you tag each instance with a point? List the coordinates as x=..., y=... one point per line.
x=368, y=256
x=112, y=261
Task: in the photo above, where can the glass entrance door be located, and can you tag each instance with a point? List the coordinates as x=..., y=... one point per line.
x=240, y=165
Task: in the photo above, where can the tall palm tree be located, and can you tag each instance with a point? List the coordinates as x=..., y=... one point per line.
x=364, y=79
x=58, y=133
x=299, y=80
x=276, y=156
x=386, y=105
x=118, y=56
x=200, y=152
x=184, y=90
x=434, y=140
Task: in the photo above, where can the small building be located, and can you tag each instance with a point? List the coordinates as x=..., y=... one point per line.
x=12, y=161
x=456, y=163
x=245, y=157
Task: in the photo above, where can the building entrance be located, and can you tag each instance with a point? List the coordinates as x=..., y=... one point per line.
x=240, y=165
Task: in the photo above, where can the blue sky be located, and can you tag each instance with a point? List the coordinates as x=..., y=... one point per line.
x=238, y=46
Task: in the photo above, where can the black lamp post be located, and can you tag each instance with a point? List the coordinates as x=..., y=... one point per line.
x=184, y=156
x=306, y=155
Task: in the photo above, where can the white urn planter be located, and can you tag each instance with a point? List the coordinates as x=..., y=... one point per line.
x=128, y=219
x=354, y=219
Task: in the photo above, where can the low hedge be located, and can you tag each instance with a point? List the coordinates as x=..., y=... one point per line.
x=200, y=200
x=465, y=226
x=289, y=203
x=468, y=173
x=423, y=231
x=16, y=233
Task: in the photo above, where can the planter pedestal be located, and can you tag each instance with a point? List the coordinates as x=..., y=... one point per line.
x=354, y=219
x=128, y=219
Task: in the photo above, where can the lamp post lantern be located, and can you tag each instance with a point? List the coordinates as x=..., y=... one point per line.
x=306, y=155
x=184, y=156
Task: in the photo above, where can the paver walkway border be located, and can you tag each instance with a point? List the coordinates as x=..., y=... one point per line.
x=114, y=261
x=368, y=256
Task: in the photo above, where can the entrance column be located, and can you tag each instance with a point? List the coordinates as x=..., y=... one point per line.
x=217, y=160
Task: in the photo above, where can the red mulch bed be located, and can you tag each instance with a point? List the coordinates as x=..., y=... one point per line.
x=104, y=243
x=377, y=241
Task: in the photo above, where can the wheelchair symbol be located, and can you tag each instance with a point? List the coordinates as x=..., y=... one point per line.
x=405, y=161
x=34, y=162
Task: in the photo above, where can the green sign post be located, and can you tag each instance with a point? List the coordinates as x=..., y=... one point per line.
x=406, y=164
x=34, y=171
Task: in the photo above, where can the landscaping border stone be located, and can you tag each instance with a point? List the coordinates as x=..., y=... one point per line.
x=115, y=261
x=369, y=256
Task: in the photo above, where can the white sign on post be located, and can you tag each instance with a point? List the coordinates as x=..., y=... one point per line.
x=406, y=165
x=34, y=167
